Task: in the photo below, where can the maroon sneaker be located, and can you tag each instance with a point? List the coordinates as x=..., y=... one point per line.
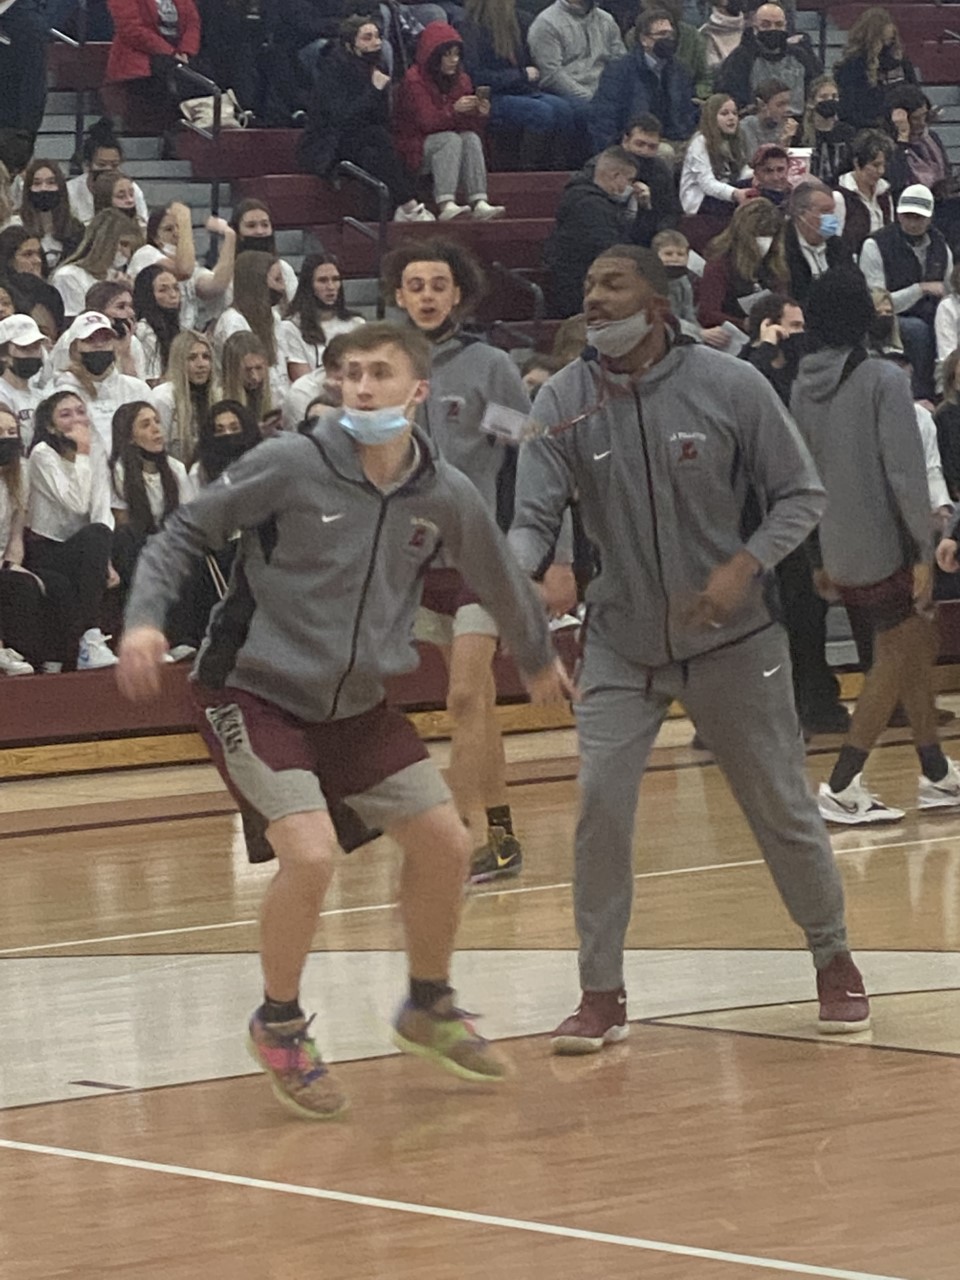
x=844, y=1006
x=601, y=1019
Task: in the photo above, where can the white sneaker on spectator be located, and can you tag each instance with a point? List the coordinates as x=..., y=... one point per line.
x=419, y=213
x=944, y=794
x=452, y=210
x=854, y=805
x=179, y=653
x=484, y=210
x=94, y=651
x=13, y=664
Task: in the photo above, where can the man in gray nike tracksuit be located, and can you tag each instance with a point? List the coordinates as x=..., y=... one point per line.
x=670, y=446
x=337, y=532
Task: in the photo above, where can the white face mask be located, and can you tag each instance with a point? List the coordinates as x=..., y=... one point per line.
x=616, y=337
x=763, y=244
x=168, y=250
x=121, y=262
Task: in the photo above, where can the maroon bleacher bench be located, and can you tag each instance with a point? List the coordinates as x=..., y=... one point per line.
x=79, y=69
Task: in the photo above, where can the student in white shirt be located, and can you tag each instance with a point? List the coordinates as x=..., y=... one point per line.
x=21, y=593
x=946, y=324
x=170, y=244
x=70, y=527
x=318, y=311
x=156, y=300
x=257, y=289
x=21, y=360
x=323, y=385
x=190, y=389
x=45, y=211
x=146, y=483
x=93, y=374
x=102, y=153
x=104, y=253
x=246, y=375
x=715, y=161
x=115, y=191
x=254, y=227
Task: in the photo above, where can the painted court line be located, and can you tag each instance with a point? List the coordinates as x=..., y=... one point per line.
x=7, y=952
x=455, y=1215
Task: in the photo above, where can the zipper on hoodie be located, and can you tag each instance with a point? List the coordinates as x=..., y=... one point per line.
x=354, y=640
x=656, y=526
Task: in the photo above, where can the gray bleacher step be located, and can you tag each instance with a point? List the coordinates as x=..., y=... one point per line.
x=361, y=293
x=61, y=102
x=158, y=169
x=59, y=146
x=159, y=192
x=56, y=123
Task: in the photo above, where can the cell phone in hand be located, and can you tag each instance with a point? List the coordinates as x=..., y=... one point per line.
x=483, y=92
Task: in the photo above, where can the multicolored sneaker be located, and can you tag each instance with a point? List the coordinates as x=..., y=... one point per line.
x=445, y=1035
x=600, y=1019
x=844, y=1007
x=288, y=1054
x=500, y=857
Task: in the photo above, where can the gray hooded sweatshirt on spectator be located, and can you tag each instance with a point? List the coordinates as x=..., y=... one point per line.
x=571, y=47
x=328, y=580
x=668, y=467
x=862, y=431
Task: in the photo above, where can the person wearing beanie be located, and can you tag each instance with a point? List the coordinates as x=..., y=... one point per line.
x=875, y=540
x=912, y=260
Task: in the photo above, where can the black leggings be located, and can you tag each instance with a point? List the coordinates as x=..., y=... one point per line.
x=74, y=574
x=373, y=150
x=22, y=615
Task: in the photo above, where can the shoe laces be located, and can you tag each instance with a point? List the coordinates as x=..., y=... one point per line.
x=302, y=1052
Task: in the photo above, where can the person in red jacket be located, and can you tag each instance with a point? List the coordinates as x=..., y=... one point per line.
x=438, y=124
x=150, y=37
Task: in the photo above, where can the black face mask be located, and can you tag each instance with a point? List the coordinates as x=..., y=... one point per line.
x=10, y=450
x=43, y=201
x=130, y=213
x=226, y=449
x=675, y=272
x=664, y=48
x=888, y=58
x=121, y=327
x=277, y=296
x=374, y=57
x=26, y=366
x=828, y=109
x=151, y=455
x=881, y=328
x=794, y=347
x=96, y=362
x=772, y=41
x=264, y=244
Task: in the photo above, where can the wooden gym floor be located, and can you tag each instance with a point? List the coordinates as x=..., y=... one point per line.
x=723, y=1141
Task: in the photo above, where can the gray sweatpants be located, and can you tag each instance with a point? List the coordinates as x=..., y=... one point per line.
x=456, y=162
x=741, y=701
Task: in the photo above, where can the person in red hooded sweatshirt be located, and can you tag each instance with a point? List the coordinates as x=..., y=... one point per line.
x=150, y=38
x=438, y=125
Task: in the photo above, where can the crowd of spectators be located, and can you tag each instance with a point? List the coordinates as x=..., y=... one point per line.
x=131, y=372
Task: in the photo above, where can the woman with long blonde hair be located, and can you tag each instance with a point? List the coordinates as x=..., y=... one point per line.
x=186, y=394
x=246, y=374
x=745, y=259
x=872, y=63
x=714, y=161
x=105, y=250
x=258, y=290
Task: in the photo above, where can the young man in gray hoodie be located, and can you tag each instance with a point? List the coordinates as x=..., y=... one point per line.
x=876, y=539
x=669, y=446
x=337, y=531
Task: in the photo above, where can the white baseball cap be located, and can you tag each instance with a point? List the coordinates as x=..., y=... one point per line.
x=86, y=325
x=22, y=331
x=916, y=199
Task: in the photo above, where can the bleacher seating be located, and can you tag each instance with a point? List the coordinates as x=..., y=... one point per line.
x=79, y=69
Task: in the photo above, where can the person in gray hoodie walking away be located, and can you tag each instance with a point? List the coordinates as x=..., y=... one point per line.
x=474, y=387
x=876, y=539
x=337, y=530
x=669, y=446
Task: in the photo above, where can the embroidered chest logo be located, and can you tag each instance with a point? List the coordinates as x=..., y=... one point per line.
x=422, y=530
x=688, y=451
x=453, y=406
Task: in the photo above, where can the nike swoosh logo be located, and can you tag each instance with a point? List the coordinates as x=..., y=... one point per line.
x=772, y=672
x=621, y=999
x=330, y=519
x=504, y=861
x=842, y=804
x=598, y=457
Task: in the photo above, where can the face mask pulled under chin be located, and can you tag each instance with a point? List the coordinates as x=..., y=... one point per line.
x=374, y=426
x=617, y=338
x=764, y=244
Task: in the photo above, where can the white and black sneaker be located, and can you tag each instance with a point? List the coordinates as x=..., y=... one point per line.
x=95, y=653
x=944, y=794
x=14, y=664
x=854, y=806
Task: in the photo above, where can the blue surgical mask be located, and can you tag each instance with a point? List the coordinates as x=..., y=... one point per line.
x=374, y=426
x=829, y=225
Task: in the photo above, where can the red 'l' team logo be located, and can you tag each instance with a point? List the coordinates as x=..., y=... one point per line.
x=419, y=537
x=688, y=451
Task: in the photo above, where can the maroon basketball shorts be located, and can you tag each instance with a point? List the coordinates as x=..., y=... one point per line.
x=280, y=764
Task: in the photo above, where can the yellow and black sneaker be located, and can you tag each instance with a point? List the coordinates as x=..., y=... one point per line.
x=500, y=857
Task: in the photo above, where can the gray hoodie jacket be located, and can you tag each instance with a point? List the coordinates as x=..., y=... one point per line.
x=328, y=580
x=571, y=48
x=862, y=431
x=665, y=465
